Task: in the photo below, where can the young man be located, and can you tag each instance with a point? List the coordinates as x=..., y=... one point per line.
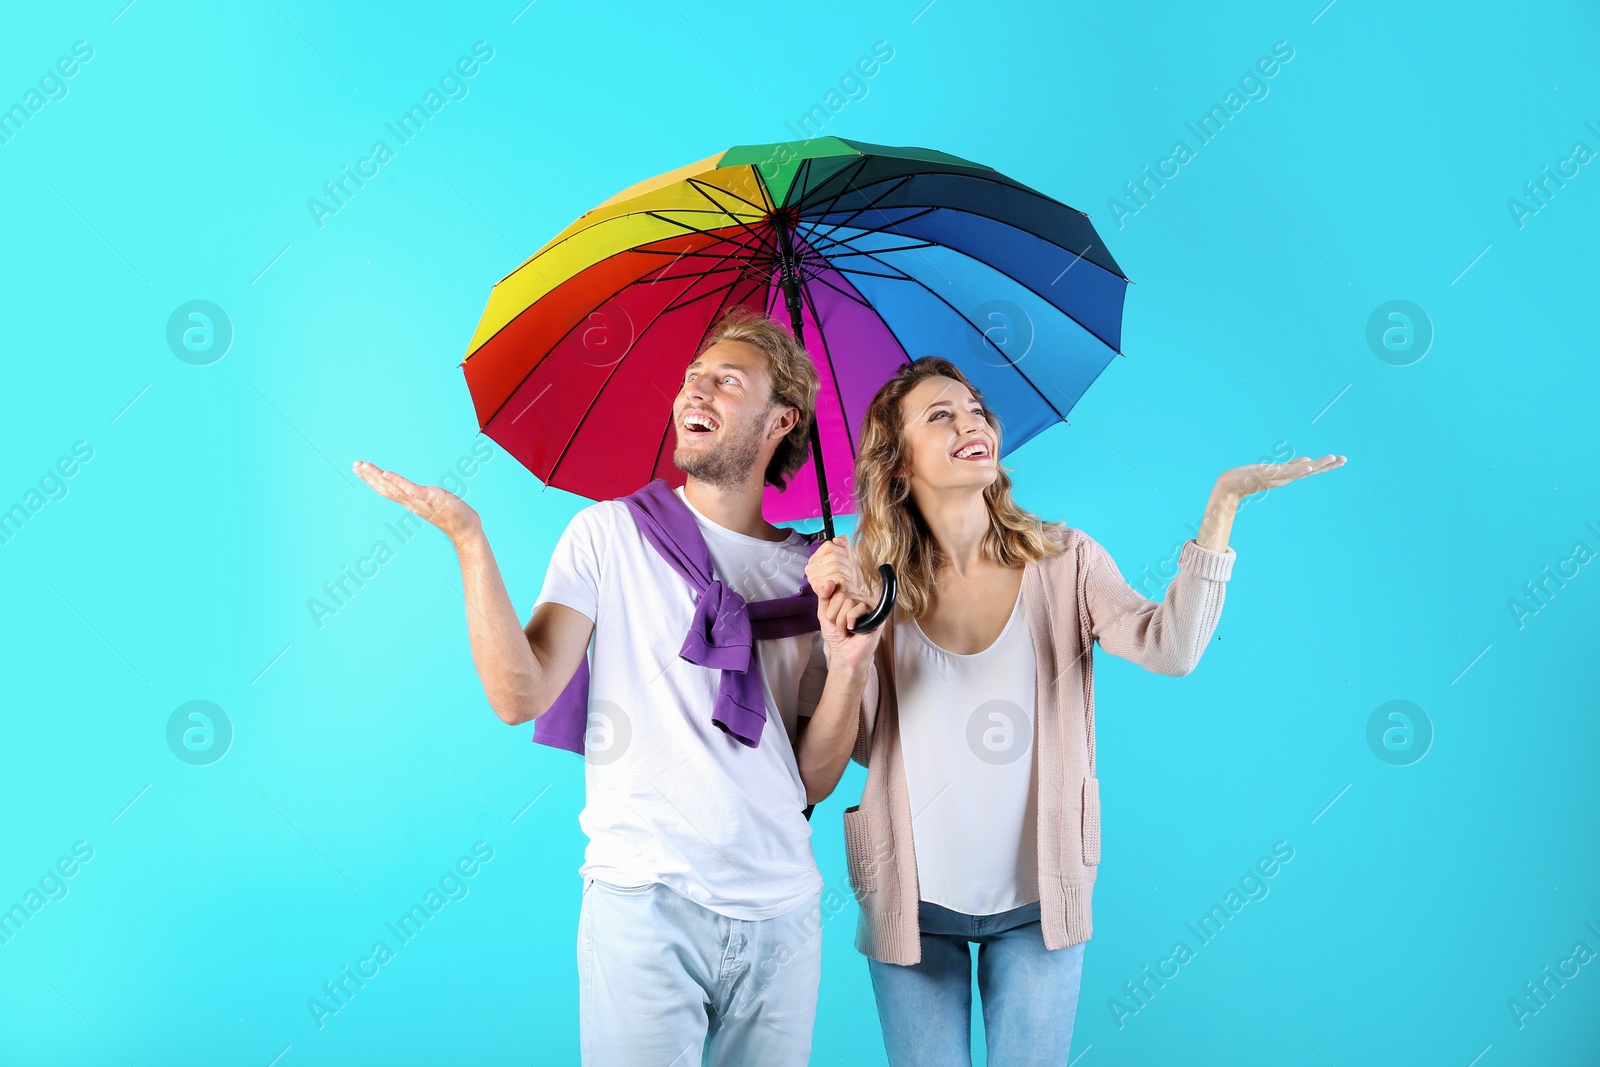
x=699, y=928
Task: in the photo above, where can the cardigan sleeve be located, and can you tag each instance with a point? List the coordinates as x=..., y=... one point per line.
x=869, y=712
x=1166, y=637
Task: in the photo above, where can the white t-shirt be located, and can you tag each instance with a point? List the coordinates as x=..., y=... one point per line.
x=671, y=798
x=966, y=736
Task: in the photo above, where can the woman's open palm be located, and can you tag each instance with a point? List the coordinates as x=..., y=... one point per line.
x=437, y=505
x=1257, y=477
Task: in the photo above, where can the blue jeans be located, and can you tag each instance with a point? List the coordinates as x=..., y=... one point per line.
x=1029, y=992
x=664, y=982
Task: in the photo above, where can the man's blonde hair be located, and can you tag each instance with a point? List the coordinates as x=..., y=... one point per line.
x=792, y=374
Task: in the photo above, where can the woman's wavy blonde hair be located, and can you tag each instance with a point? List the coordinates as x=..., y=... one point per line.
x=891, y=529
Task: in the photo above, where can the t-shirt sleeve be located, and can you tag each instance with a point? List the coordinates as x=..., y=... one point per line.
x=573, y=575
x=812, y=680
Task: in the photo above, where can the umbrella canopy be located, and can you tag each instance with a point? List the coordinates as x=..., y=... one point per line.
x=895, y=253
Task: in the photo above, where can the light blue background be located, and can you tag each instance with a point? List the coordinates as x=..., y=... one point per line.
x=365, y=759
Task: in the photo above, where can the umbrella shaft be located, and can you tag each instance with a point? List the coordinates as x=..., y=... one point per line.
x=789, y=275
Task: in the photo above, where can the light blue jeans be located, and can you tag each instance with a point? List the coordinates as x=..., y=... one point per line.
x=664, y=982
x=1029, y=993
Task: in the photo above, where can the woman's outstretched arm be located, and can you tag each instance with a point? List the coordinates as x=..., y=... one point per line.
x=1168, y=637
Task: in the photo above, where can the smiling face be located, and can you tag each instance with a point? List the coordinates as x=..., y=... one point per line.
x=949, y=441
x=727, y=423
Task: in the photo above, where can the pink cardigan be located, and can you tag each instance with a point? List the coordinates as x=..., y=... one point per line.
x=1071, y=600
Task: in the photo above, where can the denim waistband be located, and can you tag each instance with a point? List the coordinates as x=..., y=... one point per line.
x=937, y=919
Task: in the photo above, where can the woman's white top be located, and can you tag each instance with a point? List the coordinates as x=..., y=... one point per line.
x=966, y=735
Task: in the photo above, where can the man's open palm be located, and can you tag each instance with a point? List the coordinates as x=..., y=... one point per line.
x=437, y=505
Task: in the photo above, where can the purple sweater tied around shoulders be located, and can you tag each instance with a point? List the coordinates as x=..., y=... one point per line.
x=722, y=632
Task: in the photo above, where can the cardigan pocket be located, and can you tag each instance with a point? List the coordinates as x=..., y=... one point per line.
x=1091, y=820
x=858, y=851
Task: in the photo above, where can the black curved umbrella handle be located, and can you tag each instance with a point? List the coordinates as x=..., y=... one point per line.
x=875, y=618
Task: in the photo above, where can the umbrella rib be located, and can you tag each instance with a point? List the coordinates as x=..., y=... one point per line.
x=802, y=175
x=709, y=233
x=599, y=303
x=864, y=302
x=985, y=174
x=844, y=175
x=743, y=248
x=811, y=239
x=653, y=212
x=862, y=252
x=1031, y=384
x=978, y=214
x=991, y=218
x=696, y=187
x=663, y=276
x=858, y=165
x=728, y=263
x=866, y=229
x=760, y=209
x=716, y=256
x=675, y=305
x=714, y=209
x=842, y=292
x=899, y=274
x=902, y=277
x=990, y=176
x=822, y=336
x=1078, y=257
x=870, y=205
x=668, y=428
x=680, y=255
x=609, y=375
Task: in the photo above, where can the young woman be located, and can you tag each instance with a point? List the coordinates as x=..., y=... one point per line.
x=980, y=819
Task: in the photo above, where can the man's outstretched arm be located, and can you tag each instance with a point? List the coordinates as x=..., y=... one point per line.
x=523, y=669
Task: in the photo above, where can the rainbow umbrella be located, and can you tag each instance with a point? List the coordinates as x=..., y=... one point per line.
x=872, y=254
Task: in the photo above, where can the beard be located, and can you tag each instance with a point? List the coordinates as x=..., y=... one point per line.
x=727, y=466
